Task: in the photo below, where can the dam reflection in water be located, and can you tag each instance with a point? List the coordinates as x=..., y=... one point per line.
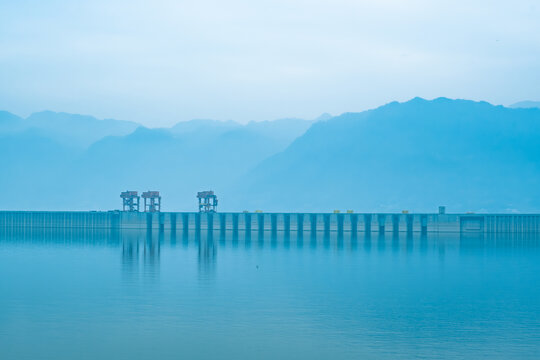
x=141, y=251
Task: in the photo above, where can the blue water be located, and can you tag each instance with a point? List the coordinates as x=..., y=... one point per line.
x=89, y=296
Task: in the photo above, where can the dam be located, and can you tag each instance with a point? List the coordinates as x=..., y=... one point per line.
x=258, y=222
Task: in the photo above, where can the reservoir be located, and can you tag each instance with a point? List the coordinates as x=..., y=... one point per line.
x=91, y=293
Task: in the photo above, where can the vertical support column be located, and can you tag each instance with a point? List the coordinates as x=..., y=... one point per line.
x=286, y=229
x=149, y=224
x=300, y=225
x=210, y=222
x=423, y=222
x=381, y=219
x=340, y=220
x=198, y=224
x=326, y=218
x=185, y=224
x=247, y=221
x=410, y=222
x=235, y=222
x=261, y=227
x=287, y=223
x=395, y=224
x=161, y=219
x=367, y=221
x=313, y=223
x=161, y=234
x=173, y=228
x=173, y=224
x=354, y=225
x=222, y=223
x=260, y=223
x=273, y=224
x=115, y=225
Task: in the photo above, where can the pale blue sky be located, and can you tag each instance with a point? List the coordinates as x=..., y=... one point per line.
x=162, y=61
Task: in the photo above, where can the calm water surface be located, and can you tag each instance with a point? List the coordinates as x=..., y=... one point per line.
x=88, y=296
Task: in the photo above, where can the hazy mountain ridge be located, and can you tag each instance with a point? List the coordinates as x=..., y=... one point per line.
x=178, y=164
x=413, y=155
x=70, y=129
x=416, y=155
x=178, y=161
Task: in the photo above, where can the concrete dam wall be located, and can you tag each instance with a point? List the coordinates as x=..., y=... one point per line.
x=275, y=222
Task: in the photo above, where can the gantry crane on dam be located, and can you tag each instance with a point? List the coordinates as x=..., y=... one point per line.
x=207, y=201
x=152, y=201
x=130, y=201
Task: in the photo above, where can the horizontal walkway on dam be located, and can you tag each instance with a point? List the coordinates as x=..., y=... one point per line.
x=275, y=222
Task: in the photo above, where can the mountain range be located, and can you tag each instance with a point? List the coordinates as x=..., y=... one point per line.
x=415, y=155
x=84, y=164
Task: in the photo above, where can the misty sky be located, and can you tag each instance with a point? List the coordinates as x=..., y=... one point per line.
x=162, y=61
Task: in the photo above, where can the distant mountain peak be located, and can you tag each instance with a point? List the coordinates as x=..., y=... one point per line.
x=48, y=114
x=323, y=117
x=7, y=116
x=65, y=128
x=69, y=117
x=527, y=104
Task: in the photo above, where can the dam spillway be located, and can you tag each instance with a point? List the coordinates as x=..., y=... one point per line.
x=300, y=223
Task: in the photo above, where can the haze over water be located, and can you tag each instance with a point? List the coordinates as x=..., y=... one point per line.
x=69, y=295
